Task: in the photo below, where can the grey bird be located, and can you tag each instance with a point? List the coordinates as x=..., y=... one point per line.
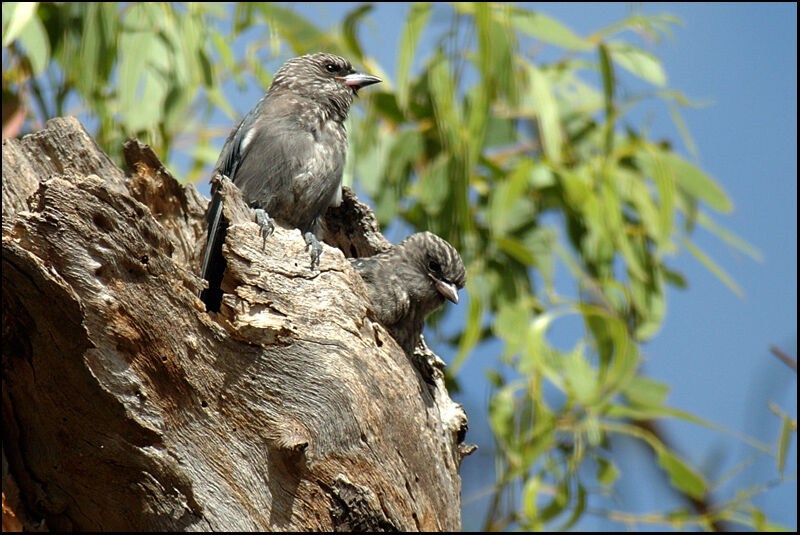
x=286, y=156
x=409, y=282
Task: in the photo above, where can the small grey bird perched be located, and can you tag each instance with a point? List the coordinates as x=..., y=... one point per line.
x=287, y=155
x=410, y=281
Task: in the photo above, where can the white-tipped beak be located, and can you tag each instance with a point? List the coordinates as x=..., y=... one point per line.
x=358, y=80
x=446, y=289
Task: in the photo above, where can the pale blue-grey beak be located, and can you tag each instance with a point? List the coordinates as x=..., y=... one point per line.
x=358, y=80
x=446, y=289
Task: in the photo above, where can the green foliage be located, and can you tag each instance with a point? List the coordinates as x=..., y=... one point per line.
x=524, y=164
x=141, y=69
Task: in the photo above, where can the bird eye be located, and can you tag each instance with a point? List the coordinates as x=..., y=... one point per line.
x=434, y=266
x=330, y=67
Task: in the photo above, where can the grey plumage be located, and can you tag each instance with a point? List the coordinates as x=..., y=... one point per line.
x=410, y=281
x=287, y=154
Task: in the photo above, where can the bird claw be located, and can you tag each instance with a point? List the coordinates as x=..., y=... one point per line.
x=266, y=224
x=316, y=248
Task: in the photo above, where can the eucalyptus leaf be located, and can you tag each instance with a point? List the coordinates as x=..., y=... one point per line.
x=16, y=17
x=543, y=27
x=712, y=267
x=646, y=392
x=547, y=113
x=681, y=475
x=415, y=23
x=36, y=44
x=607, y=472
x=787, y=430
x=638, y=62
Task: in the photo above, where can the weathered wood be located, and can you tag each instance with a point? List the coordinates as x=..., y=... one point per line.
x=63, y=148
x=127, y=407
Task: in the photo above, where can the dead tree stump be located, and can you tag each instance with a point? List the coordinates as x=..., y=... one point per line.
x=127, y=407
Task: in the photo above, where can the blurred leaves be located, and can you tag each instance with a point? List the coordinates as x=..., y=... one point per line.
x=513, y=138
x=417, y=19
x=140, y=68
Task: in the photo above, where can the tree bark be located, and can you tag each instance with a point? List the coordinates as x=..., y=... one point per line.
x=127, y=407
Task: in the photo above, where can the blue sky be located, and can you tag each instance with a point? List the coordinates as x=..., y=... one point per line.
x=713, y=349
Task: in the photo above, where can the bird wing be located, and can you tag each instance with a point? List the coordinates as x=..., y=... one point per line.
x=261, y=156
x=228, y=163
x=213, y=218
x=289, y=160
x=269, y=148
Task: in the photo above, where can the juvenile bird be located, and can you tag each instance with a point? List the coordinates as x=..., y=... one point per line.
x=286, y=156
x=409, y=282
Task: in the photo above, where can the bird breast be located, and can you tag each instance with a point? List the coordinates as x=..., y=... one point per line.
x=318, y=183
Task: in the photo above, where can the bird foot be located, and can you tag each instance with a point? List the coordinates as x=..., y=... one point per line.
x=316, y=248
x=266, y=224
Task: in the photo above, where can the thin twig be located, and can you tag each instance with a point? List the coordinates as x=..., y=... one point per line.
x=784, y=357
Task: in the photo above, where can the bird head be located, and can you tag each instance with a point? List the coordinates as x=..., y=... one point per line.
x=437, y=263
x=325, y=78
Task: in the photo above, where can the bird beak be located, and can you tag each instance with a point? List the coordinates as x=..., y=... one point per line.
x=358, y=80
x=446, y=289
